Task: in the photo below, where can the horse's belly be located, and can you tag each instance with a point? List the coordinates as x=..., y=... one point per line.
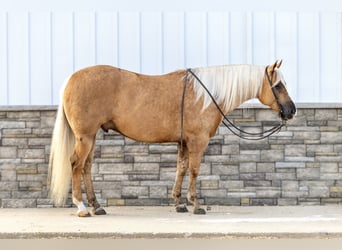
x=148, y=129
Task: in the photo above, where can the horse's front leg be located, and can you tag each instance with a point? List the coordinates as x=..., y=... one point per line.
x=195, y=157
x=192, y=196
x=182, y=166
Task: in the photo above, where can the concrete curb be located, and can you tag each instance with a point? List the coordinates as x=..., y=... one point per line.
x=203, y=236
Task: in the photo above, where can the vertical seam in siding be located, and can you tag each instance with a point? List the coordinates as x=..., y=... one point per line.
x=319, y=41
x=73, y=37
x=162, y=42
x=95, y=37
x=224, y=39
x=184, y=41
x=118, y=39
x=339, y=45
x=297, y=57
x=7, y=59
x=206, y=30
x=249, y=49
x=272, y=36
x=51, y=59
x=251, y=22
x=140, y=41
x=229, y=27
x=275, y=34
x=29, y=79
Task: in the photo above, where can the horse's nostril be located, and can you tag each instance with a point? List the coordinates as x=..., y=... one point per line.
x=286, y=114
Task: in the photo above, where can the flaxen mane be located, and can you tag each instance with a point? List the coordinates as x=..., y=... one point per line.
x=230, y=84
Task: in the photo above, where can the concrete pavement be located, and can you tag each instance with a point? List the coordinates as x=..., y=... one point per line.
x=225, y=222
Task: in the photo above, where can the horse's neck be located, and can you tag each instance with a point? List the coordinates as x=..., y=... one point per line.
x=230, y=85
x=236, y=104
x=247, y=86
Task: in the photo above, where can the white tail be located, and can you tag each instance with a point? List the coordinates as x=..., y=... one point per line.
x=62, y=146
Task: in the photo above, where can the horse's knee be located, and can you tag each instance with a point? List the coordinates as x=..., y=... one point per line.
x=194, y=172
x=88, y=164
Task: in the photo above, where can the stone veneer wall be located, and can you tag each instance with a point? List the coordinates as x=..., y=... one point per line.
x=302, y=164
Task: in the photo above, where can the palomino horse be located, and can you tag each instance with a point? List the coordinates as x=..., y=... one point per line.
x=152, y=109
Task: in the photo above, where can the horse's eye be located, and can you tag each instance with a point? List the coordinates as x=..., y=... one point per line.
x=277, y=86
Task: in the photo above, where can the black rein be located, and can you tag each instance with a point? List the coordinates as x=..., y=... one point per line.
x=243, y=134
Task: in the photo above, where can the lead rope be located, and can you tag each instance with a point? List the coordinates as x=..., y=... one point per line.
x=248, y=135
x=182, y=114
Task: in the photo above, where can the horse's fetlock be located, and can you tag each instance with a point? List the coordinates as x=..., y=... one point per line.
x=191, y=198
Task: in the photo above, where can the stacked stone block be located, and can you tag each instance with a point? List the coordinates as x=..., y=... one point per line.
x=300, y=165
x=25, y=137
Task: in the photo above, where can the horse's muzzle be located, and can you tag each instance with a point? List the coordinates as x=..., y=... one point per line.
x=287, y=111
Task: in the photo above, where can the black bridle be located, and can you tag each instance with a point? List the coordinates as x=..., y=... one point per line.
x=240, y=133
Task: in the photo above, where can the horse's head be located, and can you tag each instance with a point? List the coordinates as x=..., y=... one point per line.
x=274, y=93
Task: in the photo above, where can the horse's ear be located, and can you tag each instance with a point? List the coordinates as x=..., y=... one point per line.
x=274, y=66
x=271, y=68
x=278, y=63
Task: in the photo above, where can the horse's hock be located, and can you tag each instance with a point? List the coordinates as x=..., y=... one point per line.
x=302, y=164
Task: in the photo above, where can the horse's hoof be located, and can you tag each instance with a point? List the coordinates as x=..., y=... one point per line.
x=199, y=211
x=83, y=214
x=99, y=211
x=181, y=209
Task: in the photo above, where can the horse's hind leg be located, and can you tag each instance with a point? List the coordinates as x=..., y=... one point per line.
x=89, y=184
x=83, y=147
x=182, y=166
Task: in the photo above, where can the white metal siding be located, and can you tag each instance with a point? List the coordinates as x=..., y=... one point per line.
x=41, y=45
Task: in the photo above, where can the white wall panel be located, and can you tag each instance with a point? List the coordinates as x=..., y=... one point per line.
x=129, y=36
x=18, y=58
x=106, y=38
x=84, y=39
x=263, y=38
x=40, y=58
x=238, y=38
x=151, y=43
x=196, y=39
x=173, y=41
x=285, y=29
x=43, y=44
x=330, y=62
x=62, y=50
x=309, y=56
x=218, y=38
